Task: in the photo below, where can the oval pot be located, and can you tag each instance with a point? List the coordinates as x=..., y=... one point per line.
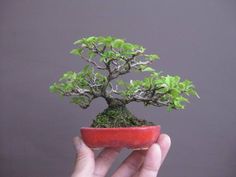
x=129, y=137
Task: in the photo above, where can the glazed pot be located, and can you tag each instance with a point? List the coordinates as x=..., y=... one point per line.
x=129, y=137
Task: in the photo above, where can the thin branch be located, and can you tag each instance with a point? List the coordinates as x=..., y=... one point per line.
x=93, y=62
x=77, y=92
x=113, y=90
x=104, y=48
x=148, y=96
x=126, y=66
x=141, y=63
x=154, y=102
x=97, y=51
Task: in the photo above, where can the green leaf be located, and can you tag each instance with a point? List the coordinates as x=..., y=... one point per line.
x=107, y=55
x=169, y=108
x=153, y=57
x=82, y=101
x=194, y=93
x=78, y=100
x=168, y=80
x=53, y=88
x=108, y=39
x=102, y=59
x=118, y=43
x=127, y=46
x=69, y=75
x=77, y=42
x=142, y=49
x=175, y=92
x=148, y=69
x=176, y=79
x=91, y=54
x=91, y=39
x=183, y=99
x=87, y=70
x=76, y=51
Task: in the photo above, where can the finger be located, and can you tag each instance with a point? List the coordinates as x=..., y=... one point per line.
x=152, y=162
x=131, y=164
x=104, y=161
x=165, y=142
x=84, y=165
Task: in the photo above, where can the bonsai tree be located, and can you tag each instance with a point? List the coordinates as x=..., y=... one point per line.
x=108, y=60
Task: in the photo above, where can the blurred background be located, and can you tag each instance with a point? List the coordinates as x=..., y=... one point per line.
x=195, y=39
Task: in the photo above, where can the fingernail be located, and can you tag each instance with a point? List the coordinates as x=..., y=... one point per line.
x=77, y=143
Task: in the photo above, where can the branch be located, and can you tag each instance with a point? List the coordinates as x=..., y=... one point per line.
x=113, y=90
x=93, y=62
x=94, y=87
x=77, y=92
x=141, y=63
x=148, y=96
x=147, y=100
x=121, y=69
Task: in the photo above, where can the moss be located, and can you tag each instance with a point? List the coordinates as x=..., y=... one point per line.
x=118, y=116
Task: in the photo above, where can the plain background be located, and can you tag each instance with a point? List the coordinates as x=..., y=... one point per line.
x=195, y=39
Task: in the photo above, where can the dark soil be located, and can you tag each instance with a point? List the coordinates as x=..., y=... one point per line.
x=118, y=116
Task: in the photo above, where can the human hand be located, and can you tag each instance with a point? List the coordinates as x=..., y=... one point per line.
x=140, y=163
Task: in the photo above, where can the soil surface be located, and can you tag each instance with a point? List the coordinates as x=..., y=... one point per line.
x=118, y=116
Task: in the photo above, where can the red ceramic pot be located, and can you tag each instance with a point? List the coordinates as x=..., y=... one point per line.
x=130, y=137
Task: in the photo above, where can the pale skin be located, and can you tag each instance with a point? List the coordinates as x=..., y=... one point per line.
x=140, y=163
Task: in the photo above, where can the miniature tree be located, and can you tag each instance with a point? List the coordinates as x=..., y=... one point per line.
x=108, y=59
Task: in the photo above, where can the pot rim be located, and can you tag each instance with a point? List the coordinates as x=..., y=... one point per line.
x=121, y=128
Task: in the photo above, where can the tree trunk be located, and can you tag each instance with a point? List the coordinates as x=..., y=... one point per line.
x=115, y=102
x=117, y=115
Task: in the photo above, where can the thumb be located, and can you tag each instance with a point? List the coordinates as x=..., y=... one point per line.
x=85, y=163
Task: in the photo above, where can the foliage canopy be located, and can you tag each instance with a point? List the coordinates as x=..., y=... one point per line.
x=108, y=59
